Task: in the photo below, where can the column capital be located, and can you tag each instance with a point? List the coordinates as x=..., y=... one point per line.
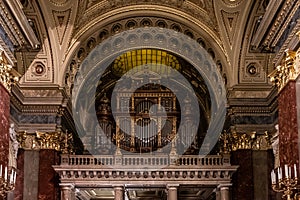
x=287, y=70
x=118, y=185
x=67, y=186
x=224, y=186
x=172, y=186
x=8, y=75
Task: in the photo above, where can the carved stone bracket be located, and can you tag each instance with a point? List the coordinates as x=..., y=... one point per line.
x=42, y=140
x=233, y=141
x=288, y=70
x=8, y=75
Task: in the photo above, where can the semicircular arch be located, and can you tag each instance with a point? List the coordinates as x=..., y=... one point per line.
x=105, y=53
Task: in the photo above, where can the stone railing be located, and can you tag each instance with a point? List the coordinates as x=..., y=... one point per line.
x=142, y=161
x=90, y=170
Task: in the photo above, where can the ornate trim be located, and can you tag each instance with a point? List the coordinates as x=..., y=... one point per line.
x=233, y=141
x=8, y=76
x=288, y=70
x=42, y=140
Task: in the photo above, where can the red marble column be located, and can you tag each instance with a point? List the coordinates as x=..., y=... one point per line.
x=48, y=180
x=18, y=193
x=288, y=127
x=4, y=124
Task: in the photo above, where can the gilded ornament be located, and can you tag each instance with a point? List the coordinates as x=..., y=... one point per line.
x=8, y=75
x=286, y=71
x=232, y=141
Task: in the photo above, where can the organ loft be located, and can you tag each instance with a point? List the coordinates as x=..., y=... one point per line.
x=149, y=99
x=146, y=117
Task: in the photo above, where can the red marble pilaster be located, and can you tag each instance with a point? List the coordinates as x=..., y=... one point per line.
x=4, y=124
x=48, y=180
x=18, y=193
x=288, y=127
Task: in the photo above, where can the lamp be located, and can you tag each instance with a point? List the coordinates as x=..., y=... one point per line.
x=285, y=180
x=7, y=179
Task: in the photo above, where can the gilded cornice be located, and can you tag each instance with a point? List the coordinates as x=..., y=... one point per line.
x=286, y=71
x=8, y=75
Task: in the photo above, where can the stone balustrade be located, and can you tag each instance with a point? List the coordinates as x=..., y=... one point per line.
x=144, y=169
x=143, y=161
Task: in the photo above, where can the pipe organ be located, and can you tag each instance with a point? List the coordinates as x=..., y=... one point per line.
x=147, y=120
x=144, y=121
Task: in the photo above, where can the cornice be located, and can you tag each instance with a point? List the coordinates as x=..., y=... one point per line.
x=266, y=21
x=278, y=24
x=22, y=21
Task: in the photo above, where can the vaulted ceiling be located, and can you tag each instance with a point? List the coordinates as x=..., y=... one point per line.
x=52, y=38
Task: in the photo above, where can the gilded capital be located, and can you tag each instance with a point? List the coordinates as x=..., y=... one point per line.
x=232, y=141
x=8, y=75
x=286, y=71
x=43, y=140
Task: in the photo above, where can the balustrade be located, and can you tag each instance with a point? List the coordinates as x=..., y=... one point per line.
x=145, y=160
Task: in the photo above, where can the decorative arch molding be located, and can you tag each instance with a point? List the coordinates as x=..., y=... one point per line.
x=89, y=72
x=101, y=28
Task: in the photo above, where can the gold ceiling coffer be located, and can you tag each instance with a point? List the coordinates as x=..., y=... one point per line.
x=286, y=71
x=8, y=75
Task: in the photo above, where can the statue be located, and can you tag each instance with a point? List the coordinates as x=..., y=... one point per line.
x=13, y=138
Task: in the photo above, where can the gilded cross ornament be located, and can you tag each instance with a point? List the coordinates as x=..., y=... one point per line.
x=8, y=75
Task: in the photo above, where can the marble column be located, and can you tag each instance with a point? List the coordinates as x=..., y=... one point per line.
x=224, y=191
x=67, y=191
x=172, y=191
x=288, y=125
x=4, y=125
x=48, y=180
x=119, y=192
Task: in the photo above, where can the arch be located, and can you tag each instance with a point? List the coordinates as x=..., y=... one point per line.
x=152, y=37
x=101, y=25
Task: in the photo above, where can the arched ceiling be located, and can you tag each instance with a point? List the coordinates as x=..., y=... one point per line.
x=76, y=28
x=69, y=30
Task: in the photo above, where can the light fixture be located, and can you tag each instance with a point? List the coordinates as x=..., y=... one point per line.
x=285, y=180
x=7, y=180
